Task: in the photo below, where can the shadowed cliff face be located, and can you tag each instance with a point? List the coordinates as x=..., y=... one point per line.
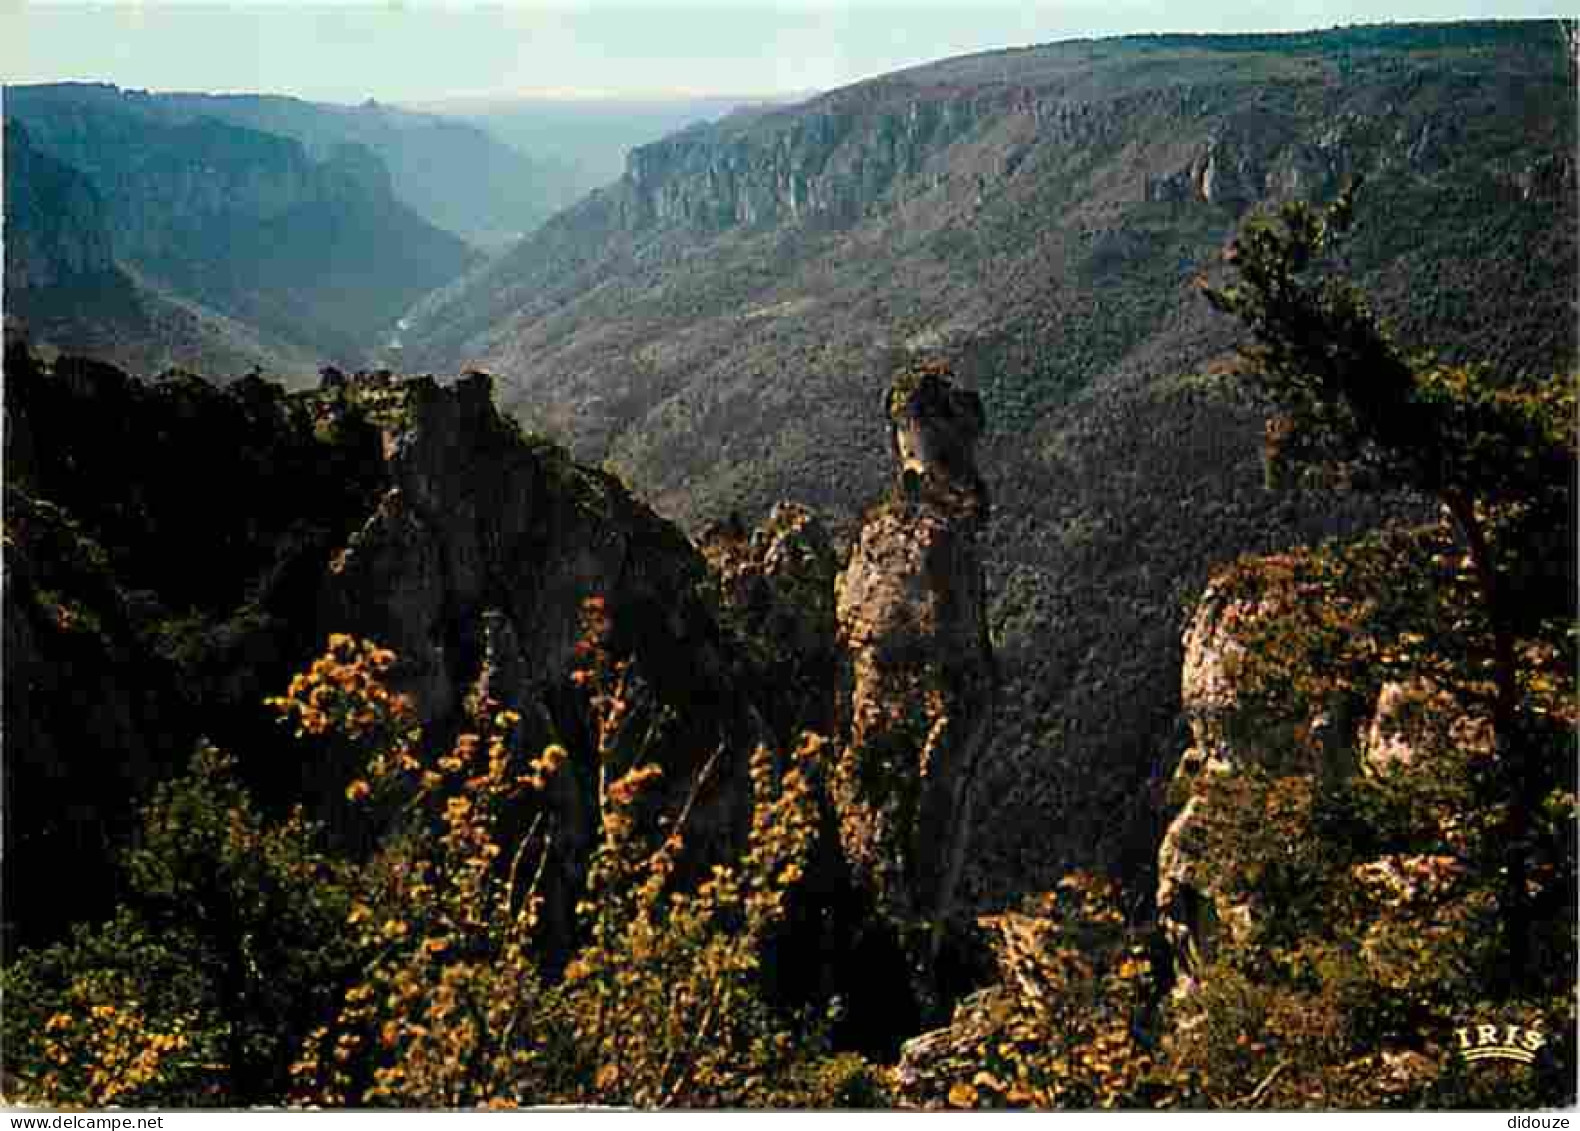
x=912, y=620
x=67, y=236
x=474, y=566
x=175, y=551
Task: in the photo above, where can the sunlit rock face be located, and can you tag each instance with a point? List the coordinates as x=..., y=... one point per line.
x=918, y=693
x=1237, y=726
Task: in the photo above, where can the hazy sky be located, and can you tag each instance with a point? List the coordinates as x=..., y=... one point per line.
x=428, y=49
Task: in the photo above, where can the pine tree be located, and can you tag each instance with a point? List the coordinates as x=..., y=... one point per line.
x=1495, y=451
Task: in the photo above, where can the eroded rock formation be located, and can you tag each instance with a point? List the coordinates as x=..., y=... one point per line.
x=1228, y=730
x=777, y=581
x=1396, y=732
x=911, y=616
x=474, y=567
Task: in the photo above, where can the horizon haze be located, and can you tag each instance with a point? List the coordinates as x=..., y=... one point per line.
x=641, y=50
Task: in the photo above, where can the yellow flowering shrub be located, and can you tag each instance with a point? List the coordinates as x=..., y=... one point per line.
x=344, y=693
x=224, y=952
x=103, y=1048
x=1069, y=1023
x=659, y=1003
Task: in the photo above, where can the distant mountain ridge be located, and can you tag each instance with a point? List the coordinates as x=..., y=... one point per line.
x=455, y=175
x=584, y=141
x=318, y=254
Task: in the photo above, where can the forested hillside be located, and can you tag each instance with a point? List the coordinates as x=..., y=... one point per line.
x=63, y=280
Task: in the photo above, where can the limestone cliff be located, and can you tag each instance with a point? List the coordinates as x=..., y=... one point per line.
x=912, y=625
x=1378, y=734
x=831, y=162
x=479, y=553
x=1229, y=730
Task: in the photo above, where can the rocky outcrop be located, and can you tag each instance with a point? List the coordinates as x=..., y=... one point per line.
x=175, y=551
x=1190, y=912
x=1229, y=730
x=1237, y=168
x=777, y=583
x=474, y=567
x=1396, y=732
x=1226, y=724
x=476, y=521
x=912, y=625
x=890, y=653
x=1414, y=719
